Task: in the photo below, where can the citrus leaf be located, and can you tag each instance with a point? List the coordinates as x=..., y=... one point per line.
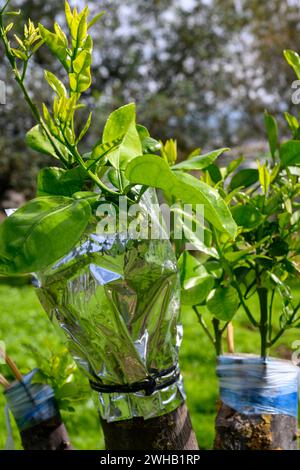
x=223, y=303
x=153, y=171
x=200, y=162
x=41, y=232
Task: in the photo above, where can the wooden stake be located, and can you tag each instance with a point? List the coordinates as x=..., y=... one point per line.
x=11, y=365
x=4, y=382
x=230, y=338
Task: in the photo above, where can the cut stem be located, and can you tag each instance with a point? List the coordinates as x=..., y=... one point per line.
x=218, y=336
x=263, y=326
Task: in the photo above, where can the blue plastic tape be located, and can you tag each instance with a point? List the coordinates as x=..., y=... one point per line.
x=251, y=385
x=31, y=403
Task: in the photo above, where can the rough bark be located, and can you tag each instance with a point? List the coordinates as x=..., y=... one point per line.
x=236, y=431
x=172, y=431
x=48, y=435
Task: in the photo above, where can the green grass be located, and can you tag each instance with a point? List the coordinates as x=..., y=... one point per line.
x=23, y=321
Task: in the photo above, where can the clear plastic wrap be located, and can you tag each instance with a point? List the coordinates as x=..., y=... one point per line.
x=118, y=301
x=252, y=385
x=30, y=403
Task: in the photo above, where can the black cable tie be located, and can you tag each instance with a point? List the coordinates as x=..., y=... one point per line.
x=149, y=385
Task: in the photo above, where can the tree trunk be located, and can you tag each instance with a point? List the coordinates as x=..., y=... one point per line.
x=236, y=431
x=172, y=431
x=48, y=435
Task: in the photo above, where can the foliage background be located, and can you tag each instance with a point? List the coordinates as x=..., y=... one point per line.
x=201, y=71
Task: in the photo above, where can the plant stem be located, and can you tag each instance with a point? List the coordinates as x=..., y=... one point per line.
x=271, y=316
x=235, y=284
x=204, y=326
x=35, y=111
x=20, y=80
x=218, y=336
x=92, y=175
x=263, y=326
x=282, y=330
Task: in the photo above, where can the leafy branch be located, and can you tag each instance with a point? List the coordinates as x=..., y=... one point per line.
x=60, y=128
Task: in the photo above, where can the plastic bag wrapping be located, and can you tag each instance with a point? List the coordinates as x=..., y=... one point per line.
x=118, y=301
x=252, y=385
x=31, y=403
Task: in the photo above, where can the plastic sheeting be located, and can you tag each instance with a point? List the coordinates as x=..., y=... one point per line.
x=118, y=301
x=30, y=403
x=252, y=385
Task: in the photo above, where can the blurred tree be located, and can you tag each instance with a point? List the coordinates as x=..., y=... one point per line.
x=201, y=71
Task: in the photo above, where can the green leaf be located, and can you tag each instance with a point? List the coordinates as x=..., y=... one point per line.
x=59, y=32
x=196, y=290
x=246, y=216
x=96, y=19
x=20, y=42
x=235, y=256
x=121, y=124
x=80, y=62
x=54, y=43
x=194, y=153
x=117, y=178
x=149, y=145
x=100, y=151
x=71, y=391
x=272, y=132
x=81, y=79
x=264, y=177
x=196, y=282
x=41, y=232
x=295, y=219
x=88, y=44
x=92, y=196
x=58, y=182
x=190, y=233
x=293, y=59
x=85, y=128
x=293, y=123
x=69, y=15
x=38, y=141
x=118, y=122
x=55, y=84
x=223, y=303
x=82, y=27
x=200, y=162
x=143, y=132
x=290, y=153
x=193, y=191
x=153, y=171
x=278, y=248
x=168, y=151
x=19, y=54
x=214, y=173
x=244, y=178
x=214, y=268
x=233, y=165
